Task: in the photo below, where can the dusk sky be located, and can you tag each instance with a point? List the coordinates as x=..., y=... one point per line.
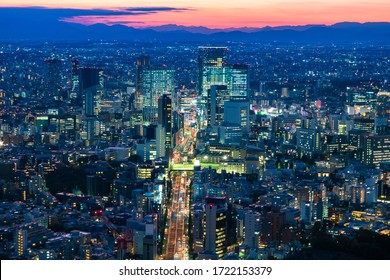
x=219, y=13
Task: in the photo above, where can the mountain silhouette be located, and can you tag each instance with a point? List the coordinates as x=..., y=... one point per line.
x=28, y=24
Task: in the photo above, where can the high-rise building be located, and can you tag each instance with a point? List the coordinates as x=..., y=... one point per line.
x=150, y=238
x=361, y=97
x=383, y=104
x=334, y=121
x=146, y=149
x=356, y=138
x=212, y=70
x=371, y=189
x=177, y=127
x=215, y=225
x=36, y=184
x=197, y=232
x=91, y=88
x=376, y=149
x=149, y=248
x=156, y=81
x=239, y=82
x=308, y=142
x=143, y=62
x=21, y=241
x=217, y=96
x=211, y=63
x=53, y=76
x=143, y=233
x=90, y=130
x=237, y=113
x=252, y=229
x=382, y=126
x=367, y=124
x=230, y=134
x=165, y=118
x=307, y=211
x=75, y=76
x=160, y=141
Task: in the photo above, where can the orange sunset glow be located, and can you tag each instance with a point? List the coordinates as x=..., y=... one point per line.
x=222, y=14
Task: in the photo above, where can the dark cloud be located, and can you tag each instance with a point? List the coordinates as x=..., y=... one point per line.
x=57, y=13
x=42, y=17
x=123, y=22
x=157, y=9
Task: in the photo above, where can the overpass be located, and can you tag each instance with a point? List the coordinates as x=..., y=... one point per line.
x=190, y=166
x=182, y=167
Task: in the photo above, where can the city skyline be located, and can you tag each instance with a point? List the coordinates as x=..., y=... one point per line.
x=105, y=154
x=123, y=141
x=211, y=14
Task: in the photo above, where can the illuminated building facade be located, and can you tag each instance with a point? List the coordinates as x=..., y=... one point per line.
x=211, y=68
x=157, y=81
x=91, y=88
x=308, y=142
x=75, y=76
x=21, y=241
x=217, y=95
x=215, y=225
x=252, y=229
x=237, y=113
x=211, y=71
x=376, y=149
x=142, y=62
x=239, y=81
x=165, y=118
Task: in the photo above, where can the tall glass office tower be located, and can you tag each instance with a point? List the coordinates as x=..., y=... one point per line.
x=211, y=68
x=211, y=71
x=239, y=81
x=143, y=62
x=91, y=88
x=156, y=81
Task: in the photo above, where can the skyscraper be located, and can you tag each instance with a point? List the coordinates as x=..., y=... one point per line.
x=53, y=76
x=239, y=81
x=165, y=117
x=91, y=88
x=156, y=81
x=215, y=225
x=217, y=95
x=160, y=141
x=211, y=71
x=252, y=229
x=210, y=58
x=143, y=62
x=197, y=232
x=75, y=76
